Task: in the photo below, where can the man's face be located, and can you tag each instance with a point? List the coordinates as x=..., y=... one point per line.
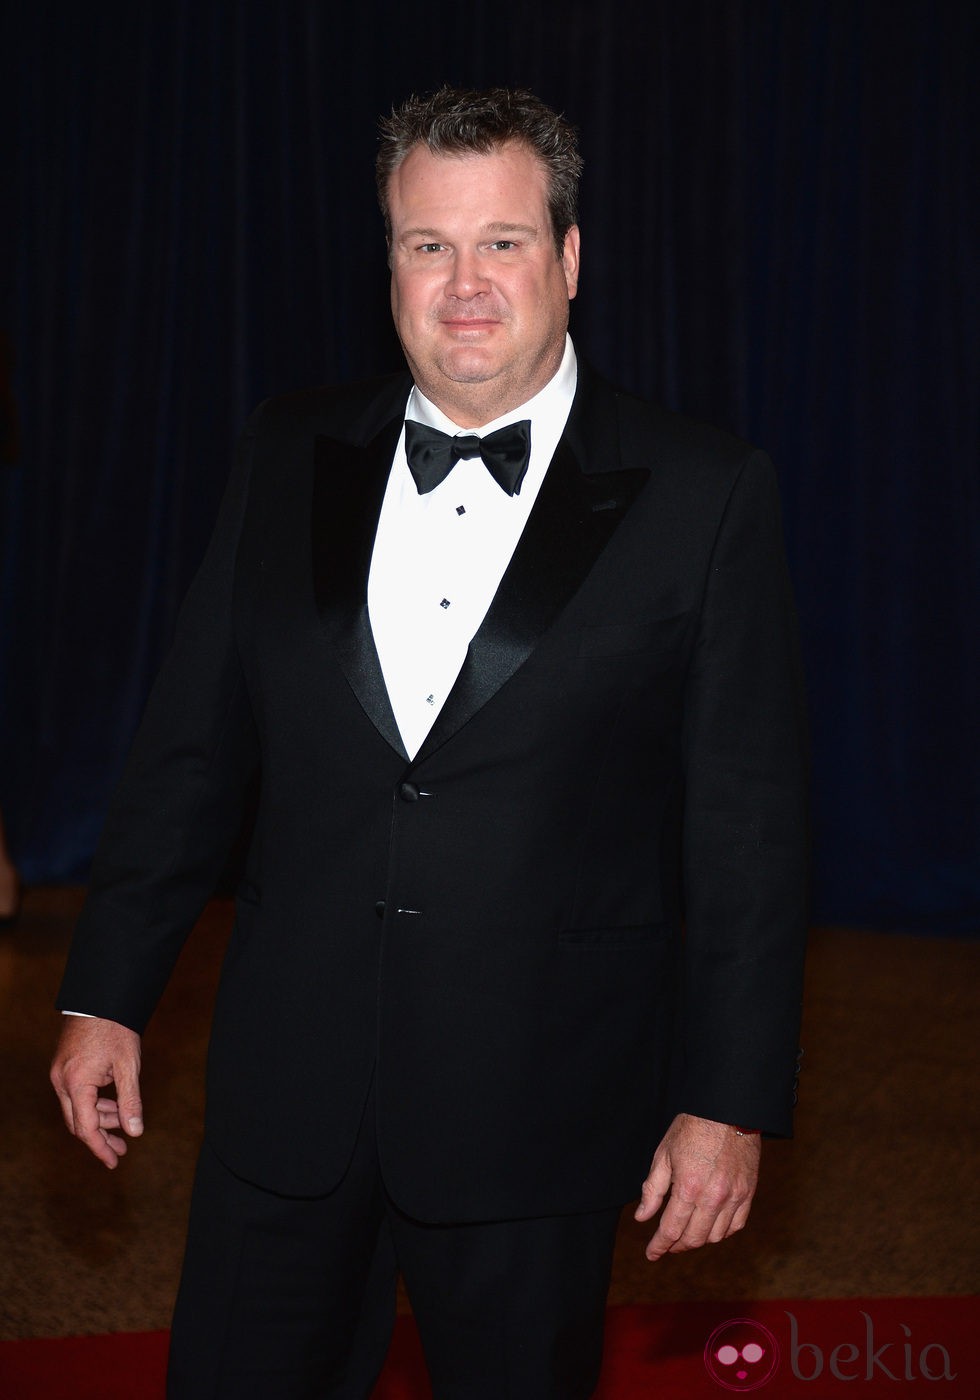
x=478, y=294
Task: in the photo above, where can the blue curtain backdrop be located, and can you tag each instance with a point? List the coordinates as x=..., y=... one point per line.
x=779, y=234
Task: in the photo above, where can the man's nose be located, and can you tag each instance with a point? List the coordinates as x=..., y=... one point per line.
x=467, y=275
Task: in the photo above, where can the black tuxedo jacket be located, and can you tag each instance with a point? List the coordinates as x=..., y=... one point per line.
x=577, y=911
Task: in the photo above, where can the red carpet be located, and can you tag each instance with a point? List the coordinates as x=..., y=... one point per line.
x=878, y=1346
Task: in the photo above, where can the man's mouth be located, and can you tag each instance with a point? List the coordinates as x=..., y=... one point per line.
x=469, y=323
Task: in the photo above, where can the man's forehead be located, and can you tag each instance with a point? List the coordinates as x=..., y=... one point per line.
x=510, y=177
x=422, y=160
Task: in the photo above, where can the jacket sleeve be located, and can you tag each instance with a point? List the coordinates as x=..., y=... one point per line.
x=745, y=824
x=179, y=803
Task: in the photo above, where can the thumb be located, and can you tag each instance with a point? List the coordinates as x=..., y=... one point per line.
x=128, y=1100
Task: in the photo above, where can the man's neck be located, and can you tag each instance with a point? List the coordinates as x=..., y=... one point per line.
x=486, y=404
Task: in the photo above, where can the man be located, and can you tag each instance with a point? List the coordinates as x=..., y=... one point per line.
x=522, y=923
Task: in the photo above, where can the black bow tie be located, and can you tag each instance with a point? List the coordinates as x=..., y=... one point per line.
x=432, y=454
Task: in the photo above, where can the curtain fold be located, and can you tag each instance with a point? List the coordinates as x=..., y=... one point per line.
x=779, y=235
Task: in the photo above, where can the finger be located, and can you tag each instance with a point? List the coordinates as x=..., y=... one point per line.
x=731, y=1218
x=67, y=1110
x=85, y=1114
x=741, y=1216
x=722, y=1226
x=60, y=1086
x=117, y=1145
x=653, y=1190
x=696, y=1232
x=670, y=1231
x=108, y=1113
x=88, y=1130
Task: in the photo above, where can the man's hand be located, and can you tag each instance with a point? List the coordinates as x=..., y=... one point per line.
x=91, y=1055
x=710, y=1173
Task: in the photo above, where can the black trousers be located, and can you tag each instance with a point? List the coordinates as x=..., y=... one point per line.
x=294, y=1299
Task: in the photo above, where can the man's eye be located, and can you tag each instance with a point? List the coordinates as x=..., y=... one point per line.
x=430, y=247
x=505, y=244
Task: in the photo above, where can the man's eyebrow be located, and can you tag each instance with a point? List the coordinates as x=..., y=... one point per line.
x=499, y=226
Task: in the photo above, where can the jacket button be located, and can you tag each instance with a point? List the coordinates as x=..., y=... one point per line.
x=408, y=792
x=379, y=908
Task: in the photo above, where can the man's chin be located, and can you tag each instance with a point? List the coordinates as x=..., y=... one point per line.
x=470, y=368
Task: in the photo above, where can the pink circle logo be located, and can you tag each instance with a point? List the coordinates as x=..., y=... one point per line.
x=741, y=1355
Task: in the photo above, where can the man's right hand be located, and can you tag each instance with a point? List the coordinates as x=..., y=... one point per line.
x=91, y=1055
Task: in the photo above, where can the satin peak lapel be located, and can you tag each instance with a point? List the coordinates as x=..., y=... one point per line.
x=348, y=488
x=573, y=519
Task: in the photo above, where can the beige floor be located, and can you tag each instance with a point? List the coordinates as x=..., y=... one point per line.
x=877, y=1195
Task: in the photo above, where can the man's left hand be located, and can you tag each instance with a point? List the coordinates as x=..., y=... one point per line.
x=707, y=1173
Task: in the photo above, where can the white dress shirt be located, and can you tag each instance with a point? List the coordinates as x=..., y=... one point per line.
x=438, y=559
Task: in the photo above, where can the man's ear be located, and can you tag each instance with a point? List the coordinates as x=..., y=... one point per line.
x=570, y=259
